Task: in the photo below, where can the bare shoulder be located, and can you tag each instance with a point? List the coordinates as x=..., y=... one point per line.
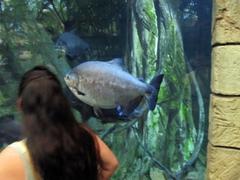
x=6, y=155
x=11, y=166
x=109, y=161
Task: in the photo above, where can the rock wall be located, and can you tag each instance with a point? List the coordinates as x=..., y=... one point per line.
x=223, y=160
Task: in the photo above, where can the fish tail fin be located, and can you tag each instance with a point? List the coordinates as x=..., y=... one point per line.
x=154, y=89
x=156, y=81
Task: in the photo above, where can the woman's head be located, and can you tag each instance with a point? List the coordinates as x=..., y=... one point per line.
x=40, y=94
x=56, y=142
x=37, y=88
x=37, y=73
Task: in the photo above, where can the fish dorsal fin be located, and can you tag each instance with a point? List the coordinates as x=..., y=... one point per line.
x=117, y=62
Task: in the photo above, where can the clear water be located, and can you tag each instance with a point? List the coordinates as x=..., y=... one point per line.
x=152, y=37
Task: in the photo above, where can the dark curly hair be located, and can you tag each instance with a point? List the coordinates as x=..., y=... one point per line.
x=59, y=147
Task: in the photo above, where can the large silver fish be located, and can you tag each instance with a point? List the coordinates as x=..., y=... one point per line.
x=106, y=85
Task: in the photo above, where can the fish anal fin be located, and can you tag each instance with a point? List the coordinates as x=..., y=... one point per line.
x=133, y=104
x=127, y=110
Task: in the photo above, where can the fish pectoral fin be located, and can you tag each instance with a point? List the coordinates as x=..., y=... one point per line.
x=80, y=93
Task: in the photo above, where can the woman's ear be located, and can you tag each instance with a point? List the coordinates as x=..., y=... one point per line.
x=19, y=104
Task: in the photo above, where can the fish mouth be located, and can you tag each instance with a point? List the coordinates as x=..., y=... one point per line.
x=67, y=78
x=67, y=81
x=70, y=79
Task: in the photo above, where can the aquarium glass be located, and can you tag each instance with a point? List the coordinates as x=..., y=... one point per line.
x=151, y=37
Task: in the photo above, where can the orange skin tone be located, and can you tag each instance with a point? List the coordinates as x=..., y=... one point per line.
x=12, y=168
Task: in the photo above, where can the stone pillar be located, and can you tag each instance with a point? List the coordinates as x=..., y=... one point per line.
x=223, y=158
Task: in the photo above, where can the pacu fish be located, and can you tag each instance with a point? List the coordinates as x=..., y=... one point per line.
x=106, y=85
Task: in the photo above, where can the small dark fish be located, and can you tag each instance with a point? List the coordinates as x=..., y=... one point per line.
x=107, y=88
x=10, y=130
x=73, y=45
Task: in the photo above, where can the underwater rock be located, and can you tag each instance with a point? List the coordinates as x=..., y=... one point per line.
x=225, y=70
x=106, y=85
x=224, y=123
x=225, y=20
x=73, y=45
x=10, y=130
x=223, y=163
